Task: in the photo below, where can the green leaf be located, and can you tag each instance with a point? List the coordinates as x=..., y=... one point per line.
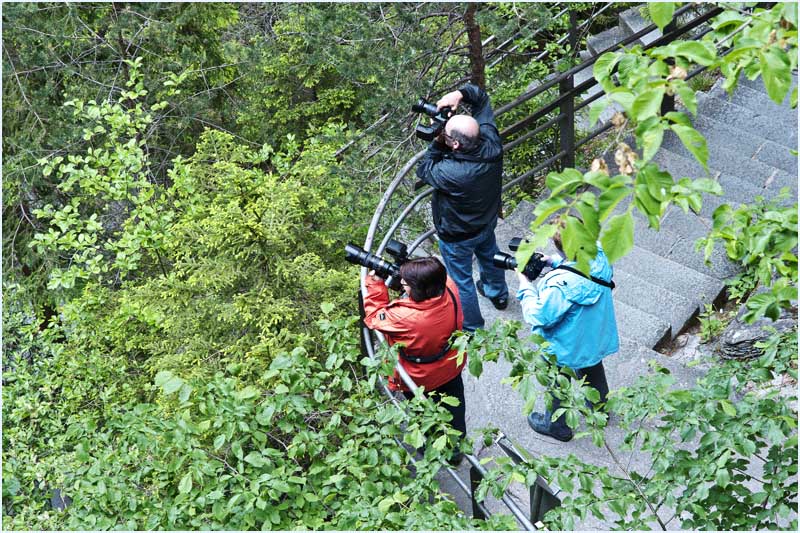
x=450, y=400
x=688, y=96
x=580, y=244
x=172, y=385
x=247, y=393
x=475, y=366
x=618, y=237
x=694, y=142
x=609, y=200
x=623, y=97
x=661, y=13
x=596, y=109
x=186, y=484
x=723, y=478
x=647, y=103
x=776, y=70
x=790, y=13
x=219, y=441
x=414, y=438
x=567, y=181
x=440, y=443
x=535, y=242
x=327, y=307
x=700, y=52
x=602, y=69
x=186, y=391
x=727, y=407
x=385, y=504
x=650, y=133
x=547, y=207
x=255, y=459
x=659, y=183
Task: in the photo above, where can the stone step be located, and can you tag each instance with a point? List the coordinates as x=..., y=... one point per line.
x=764, y=122
x=718, y=133
x=778, y=156
x=644, y=328
x=655, y=260
x=758, y=85
x=736, y=190
x=721, y=160
x=669, y=242
x=632, y=362
x=600, y=42
x=755, y=100
x=639, y=293
x=631, y=21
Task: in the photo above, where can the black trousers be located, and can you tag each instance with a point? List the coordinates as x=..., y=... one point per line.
x=595, y=377
x=454, y=388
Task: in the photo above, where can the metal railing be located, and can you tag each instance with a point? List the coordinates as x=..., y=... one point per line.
x=557, y=113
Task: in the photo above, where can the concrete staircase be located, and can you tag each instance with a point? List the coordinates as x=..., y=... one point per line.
x=663, y=283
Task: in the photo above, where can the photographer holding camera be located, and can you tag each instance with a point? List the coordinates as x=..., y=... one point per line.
x=575, y=314
x=422, y=321
x=464, y=165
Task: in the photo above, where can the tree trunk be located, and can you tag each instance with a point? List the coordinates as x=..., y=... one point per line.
x=476, y=61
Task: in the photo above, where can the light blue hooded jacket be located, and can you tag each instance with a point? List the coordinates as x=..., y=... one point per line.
x=574, y=314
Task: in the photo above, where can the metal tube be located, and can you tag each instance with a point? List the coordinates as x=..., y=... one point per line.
x=518, y=514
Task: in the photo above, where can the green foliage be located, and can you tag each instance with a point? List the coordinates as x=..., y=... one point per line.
x=113, y=219
x=763, y=238
x=723, y=454
x=661, y=13
x=712, y=323
x=298, y=447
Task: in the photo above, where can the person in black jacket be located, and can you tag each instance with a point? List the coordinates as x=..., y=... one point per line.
x=464, y=165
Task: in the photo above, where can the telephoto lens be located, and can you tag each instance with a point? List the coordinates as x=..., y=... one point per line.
x=504, y=261
x=383, y=269
x=423, y=106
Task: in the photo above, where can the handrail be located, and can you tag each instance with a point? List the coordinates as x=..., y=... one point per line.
x=574, y=70
x=566, y=100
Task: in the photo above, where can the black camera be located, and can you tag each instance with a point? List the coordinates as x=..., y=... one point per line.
x=439, y=116
x=383, y=268
x=533, y=268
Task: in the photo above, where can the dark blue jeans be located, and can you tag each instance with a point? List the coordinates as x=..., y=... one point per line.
x=457, y=258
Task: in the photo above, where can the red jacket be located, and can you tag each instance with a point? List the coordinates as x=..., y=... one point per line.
x=423, y=328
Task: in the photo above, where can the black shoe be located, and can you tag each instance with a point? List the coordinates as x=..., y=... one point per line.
x=499, y=302
x=540, y=423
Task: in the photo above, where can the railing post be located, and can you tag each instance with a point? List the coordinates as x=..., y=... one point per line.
x=566, y=124
x=475, y=478
x=573, y=33
x=542, y=500
x=668, y=102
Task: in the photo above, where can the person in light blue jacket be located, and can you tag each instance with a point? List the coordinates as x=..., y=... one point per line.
x=575, y=315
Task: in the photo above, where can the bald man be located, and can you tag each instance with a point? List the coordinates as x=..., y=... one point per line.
x=464, y=165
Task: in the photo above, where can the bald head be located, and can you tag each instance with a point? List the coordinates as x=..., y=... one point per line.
x=463, y=129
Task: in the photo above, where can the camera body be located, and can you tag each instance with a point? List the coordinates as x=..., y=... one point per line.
x=439, y=116
x=533, y=269
x=383, y=269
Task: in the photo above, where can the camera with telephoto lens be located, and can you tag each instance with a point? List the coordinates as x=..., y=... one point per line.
x=439, y=116
x=533, y=268
x=383, y=268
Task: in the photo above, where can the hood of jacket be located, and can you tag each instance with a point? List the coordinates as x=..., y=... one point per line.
x=578, y=289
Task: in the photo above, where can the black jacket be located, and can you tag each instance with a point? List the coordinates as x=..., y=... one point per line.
x=467, y=184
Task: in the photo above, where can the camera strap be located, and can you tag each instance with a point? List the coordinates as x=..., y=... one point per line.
x=425, y=359
x=604, y=283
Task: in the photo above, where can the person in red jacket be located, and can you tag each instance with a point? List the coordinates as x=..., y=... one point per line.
x=422, y=321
